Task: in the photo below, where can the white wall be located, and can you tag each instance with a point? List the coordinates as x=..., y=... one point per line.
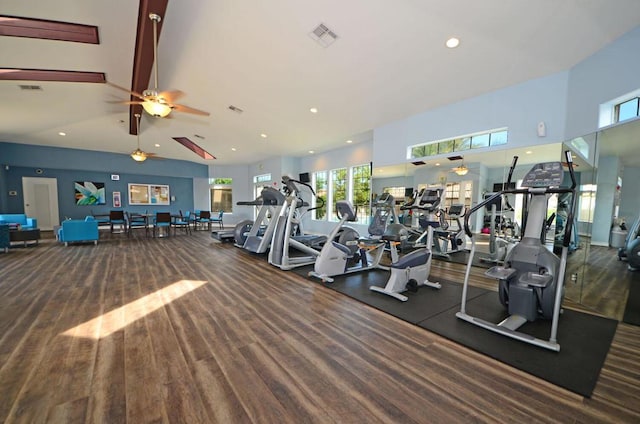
x=607, y=179
x=519, y=108
x=607, y=74
x=201, y=194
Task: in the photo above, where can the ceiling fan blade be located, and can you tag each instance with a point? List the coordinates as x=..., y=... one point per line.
x=171, y=96
x=187, y=109
x=133, y=93
x=125, y=102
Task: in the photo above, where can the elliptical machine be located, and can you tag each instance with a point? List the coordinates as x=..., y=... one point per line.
x=531, y=282
x=631, y=249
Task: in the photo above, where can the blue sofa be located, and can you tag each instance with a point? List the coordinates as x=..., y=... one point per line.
x=5, y=240
x=12, y=219
x=77, y=230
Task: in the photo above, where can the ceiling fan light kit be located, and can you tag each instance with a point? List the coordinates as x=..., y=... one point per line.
x=155, y=107
x=138, y=155
x=461, y=170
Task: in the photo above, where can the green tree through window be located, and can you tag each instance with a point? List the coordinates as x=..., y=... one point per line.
x=320, y=188
x=361, y=183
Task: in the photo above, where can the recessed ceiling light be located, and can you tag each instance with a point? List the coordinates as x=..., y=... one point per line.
x=313, y=110
x=263, y=135
x=311, y=151
x=437, y=164
x=528, y=152
x=233, y=149
x=452, y=43
x=157, y=145
x=349, y=141
x=62, y=133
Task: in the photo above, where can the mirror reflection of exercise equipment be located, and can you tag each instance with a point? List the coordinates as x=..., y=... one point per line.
x=531, y=282
x=631, y=249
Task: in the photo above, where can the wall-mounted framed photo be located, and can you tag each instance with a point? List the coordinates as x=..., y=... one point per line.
x=89, y=193
x=148, y=194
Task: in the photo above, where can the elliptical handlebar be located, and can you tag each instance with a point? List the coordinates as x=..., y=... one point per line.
x=290, y=187
x=566, y=240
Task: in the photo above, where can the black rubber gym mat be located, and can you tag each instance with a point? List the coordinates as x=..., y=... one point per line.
x=632, y=310
x=424, y=303
x=584, y=342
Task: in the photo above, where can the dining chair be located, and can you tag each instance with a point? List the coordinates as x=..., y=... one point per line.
x=181, y=222
x=116, y=217
x=218, y=219
x=162, y=220
x=137, y=221
x=203, y=218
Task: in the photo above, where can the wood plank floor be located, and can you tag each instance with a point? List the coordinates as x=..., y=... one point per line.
x=186, y=329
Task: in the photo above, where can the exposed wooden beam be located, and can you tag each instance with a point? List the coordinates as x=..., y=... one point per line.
x=194, y=147
x=143, y=54
x=18, y=74
x=15, y=26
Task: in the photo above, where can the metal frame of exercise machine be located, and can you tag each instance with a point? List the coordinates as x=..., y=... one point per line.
x=530, y=269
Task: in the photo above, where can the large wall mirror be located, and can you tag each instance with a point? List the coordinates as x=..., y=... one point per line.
x=603, y=161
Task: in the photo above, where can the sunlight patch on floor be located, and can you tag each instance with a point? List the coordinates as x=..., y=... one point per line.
x=115, y=320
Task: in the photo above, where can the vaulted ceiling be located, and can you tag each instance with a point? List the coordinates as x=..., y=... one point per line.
x=387, y=62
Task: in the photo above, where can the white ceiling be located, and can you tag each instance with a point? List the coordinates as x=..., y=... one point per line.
x=389, y=62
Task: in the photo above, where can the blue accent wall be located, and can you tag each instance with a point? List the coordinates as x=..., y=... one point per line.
x=71, y=165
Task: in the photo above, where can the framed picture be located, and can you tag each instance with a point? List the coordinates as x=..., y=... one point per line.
x=116, y=199
x=148, y=194
x=89, y=193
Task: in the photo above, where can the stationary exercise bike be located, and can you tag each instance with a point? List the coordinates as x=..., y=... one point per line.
x=531, y=282
x=410, y=272
x=344, y=252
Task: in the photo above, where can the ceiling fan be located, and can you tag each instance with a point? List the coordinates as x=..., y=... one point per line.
x=138, y=155
x=155, y=103
x=460, y=169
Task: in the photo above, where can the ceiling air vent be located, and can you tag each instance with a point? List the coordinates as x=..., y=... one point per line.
x=29, y=87
x=235, y=109
x=323, y=35
x=418, y=162
x=458, y=157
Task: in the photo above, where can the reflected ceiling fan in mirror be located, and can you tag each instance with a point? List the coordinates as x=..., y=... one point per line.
x=460, y=169
x=156, y=103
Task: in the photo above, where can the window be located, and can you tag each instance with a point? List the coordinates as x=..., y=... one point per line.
x=361, y=189
x=459, y=144
x=320, y=187
x=478, y=141
x=396, y=192
x=338, y=189
x=221, y=197
x=497, y=138
x=587, y=202
x=264, y=178
x=627, y=110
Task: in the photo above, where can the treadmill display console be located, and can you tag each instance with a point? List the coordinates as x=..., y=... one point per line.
x=547, y=174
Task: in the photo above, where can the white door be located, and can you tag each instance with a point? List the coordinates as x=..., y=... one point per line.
x=41, y=201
